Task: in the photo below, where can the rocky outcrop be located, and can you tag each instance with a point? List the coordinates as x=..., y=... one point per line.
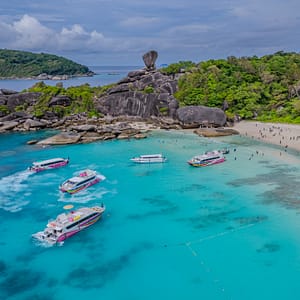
x=60, y=100
x=91, y=133
x=142, y=93
x=195, y=116
x=61, y=139
x=215, y=132
x=144, y=98
x=13, y=100
x=7, y=92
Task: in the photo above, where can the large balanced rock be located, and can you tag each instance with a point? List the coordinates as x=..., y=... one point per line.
x=195, y=116
x=149, y=59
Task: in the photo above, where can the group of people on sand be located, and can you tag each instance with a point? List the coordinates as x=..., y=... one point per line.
x=287, y=136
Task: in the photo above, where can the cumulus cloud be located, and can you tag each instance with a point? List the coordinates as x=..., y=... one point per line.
x=29, y=34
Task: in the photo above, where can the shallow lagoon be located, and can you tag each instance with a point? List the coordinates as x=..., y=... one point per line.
x=170, y=231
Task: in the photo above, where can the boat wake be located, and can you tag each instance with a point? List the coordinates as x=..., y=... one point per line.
x=82, y=197
x=9, y=186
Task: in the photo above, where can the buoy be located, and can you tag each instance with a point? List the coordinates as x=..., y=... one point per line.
x=68, y=206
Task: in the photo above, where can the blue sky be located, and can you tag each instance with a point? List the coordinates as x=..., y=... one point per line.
x=119, y=32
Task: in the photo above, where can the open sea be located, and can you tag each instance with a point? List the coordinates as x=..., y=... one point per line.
x=170, y=231
x=104, y=75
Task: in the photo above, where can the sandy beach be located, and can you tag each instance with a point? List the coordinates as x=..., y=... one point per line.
x=285, y=135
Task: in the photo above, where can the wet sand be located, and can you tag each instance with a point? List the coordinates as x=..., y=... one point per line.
x=284, y=135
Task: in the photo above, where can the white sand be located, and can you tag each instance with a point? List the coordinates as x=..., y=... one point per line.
x=285, y=135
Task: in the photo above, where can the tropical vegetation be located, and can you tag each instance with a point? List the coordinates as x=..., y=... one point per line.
x=266, y=88
x=81, y=99
x=20, y=64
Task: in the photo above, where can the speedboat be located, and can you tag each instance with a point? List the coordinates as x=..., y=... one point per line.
x=150, y=158
x=48, y=164
x=225, y=151
x=207, y=159
x=85, y=179
x=67, y=224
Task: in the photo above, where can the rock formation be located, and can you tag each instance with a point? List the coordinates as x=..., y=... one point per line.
x=149, y=59
x=143, y=96
x=12, y=100
x=142, y=93
x=195, y=116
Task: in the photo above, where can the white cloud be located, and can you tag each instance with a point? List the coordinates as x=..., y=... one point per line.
x=29, y=34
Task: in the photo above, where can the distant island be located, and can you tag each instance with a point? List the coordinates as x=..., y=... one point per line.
x=22, y=64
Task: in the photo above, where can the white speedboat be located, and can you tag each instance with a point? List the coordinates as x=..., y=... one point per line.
x=207, y=159
x=48, y=164
x=150, y=158
x=67, y=224
x=77, y=183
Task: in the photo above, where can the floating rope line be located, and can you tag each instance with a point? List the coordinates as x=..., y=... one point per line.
x=213, y=236
x=190, y=248
x=210, y=237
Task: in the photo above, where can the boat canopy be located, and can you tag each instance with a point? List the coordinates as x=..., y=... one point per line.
x=48, y=161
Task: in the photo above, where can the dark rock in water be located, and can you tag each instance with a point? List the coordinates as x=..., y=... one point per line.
x=19, y=281
x=201, y=116
x=269, y=248
x=32, y=142
x=3, y=267
x=149, y=59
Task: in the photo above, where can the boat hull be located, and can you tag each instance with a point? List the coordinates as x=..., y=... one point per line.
x=69, y=229
x=205, y=164
x=78, y=189
x=82, y=226
x=148, y=161
x=52, y=166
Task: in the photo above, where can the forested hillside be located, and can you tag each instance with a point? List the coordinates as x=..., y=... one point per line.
x=266, y=88
x=20, y=64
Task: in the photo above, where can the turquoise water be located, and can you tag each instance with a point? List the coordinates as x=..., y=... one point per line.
x=170, y=231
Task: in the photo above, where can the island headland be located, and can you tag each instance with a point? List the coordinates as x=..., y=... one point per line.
x=142, y=101
x=147, y=99
x=15, y=64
